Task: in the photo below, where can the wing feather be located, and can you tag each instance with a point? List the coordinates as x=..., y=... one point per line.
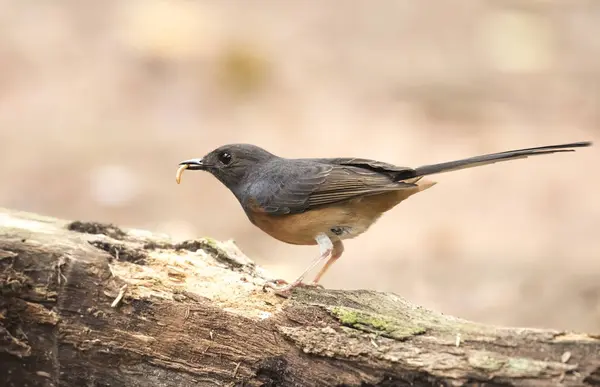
x=314, y=183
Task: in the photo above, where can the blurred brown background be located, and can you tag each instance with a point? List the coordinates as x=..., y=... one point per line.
x=100, y=100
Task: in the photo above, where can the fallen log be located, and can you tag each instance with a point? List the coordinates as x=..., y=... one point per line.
x=89, y=304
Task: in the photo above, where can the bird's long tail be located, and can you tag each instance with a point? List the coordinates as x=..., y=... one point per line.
x=493, y=158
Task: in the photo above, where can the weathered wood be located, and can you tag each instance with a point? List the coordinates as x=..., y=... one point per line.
x=195, y=313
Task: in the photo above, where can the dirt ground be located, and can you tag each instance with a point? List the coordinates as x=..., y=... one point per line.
x=99, y=101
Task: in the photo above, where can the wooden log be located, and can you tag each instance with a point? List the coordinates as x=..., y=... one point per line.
x=88, y=304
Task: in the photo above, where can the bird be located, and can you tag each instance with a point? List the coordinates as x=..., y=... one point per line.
x=324, y=201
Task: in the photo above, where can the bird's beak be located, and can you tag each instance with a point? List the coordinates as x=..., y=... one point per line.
x=194, y=164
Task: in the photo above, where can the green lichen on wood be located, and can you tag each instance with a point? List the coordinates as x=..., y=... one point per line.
x=210, y=242
x=376, y=323
x=487, y=361
x=513, y=367
x=521, y=367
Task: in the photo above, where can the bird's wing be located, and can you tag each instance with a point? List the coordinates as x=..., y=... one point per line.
x=314, y=183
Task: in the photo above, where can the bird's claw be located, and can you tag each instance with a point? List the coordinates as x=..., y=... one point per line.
x=274, y=283
x=314, y=285
x=284, y=288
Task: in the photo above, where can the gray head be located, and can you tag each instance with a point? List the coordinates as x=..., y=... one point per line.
x=230, y=163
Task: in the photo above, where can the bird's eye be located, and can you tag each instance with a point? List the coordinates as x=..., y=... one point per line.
x=225, y=157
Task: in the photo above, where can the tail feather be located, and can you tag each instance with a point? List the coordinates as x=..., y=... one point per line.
x=494, y=158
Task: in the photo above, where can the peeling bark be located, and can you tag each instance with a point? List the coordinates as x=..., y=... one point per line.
x=87, y=304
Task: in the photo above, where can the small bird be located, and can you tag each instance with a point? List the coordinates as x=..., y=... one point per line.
x=324, y=201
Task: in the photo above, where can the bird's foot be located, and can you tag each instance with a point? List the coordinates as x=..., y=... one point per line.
x=284, y=288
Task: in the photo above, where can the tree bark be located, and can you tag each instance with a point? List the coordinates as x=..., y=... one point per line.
x=88, y=304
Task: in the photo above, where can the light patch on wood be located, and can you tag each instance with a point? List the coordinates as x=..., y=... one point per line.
x=198, y=274
x=8, y=221
x=575, y=337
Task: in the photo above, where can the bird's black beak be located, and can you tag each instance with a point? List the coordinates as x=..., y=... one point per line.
x=194, y=164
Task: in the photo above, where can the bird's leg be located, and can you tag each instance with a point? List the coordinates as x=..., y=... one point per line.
x=326, y=247
x=338, y=249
